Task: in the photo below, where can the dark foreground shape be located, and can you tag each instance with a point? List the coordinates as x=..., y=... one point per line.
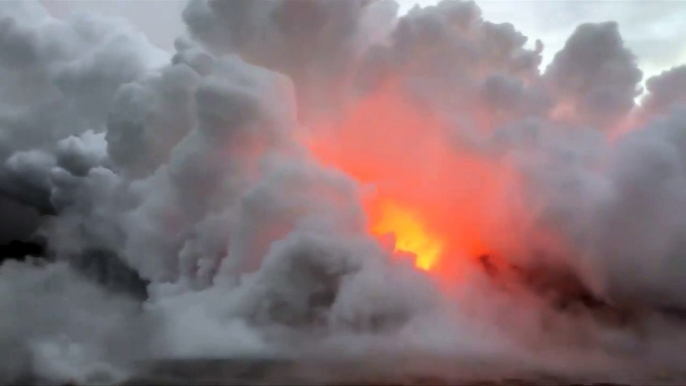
x=254, y=371
x=101, y=266
x=19, y=250
x=566, y=292
x=217, y=371
x=109, y=270
x=290, y=372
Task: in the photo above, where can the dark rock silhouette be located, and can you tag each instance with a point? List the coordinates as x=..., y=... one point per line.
x=19, y=250
x=101, y=266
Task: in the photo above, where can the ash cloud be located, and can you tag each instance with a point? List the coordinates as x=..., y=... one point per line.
x=182, y=179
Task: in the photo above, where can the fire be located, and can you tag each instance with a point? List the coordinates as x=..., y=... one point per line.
x=410, y=234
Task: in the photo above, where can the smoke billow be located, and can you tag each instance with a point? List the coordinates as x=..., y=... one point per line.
x=325, y=179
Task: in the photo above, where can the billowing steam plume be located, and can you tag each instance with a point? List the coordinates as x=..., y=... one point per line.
x=323, y=178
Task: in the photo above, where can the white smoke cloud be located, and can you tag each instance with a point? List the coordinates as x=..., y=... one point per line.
x=61, y=327
x=189, y=171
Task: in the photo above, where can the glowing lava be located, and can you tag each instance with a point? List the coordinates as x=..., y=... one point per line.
x=410, y=234
x=443, y=204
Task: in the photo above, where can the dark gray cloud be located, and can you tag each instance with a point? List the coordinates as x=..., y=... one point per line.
x=19, y=221
x=596, y=74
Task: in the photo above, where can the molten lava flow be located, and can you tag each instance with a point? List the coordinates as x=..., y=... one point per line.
x=410, y=234
x=440, y=202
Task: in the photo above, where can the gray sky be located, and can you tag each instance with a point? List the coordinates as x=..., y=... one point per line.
x=160, y=20
x=654, y=30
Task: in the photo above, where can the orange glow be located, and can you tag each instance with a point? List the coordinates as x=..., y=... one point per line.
x=443, y=204
x=410, y=234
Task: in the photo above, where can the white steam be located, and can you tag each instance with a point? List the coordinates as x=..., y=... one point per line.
x=188, y=171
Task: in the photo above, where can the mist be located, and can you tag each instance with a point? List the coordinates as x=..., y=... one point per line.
x=332, y=182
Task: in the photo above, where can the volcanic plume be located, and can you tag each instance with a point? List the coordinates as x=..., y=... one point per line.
x=330, y=180
x=404, y=156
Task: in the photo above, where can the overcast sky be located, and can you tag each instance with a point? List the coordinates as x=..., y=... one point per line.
x=654, y=30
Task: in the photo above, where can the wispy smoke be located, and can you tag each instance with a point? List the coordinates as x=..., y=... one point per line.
x=187, y=180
